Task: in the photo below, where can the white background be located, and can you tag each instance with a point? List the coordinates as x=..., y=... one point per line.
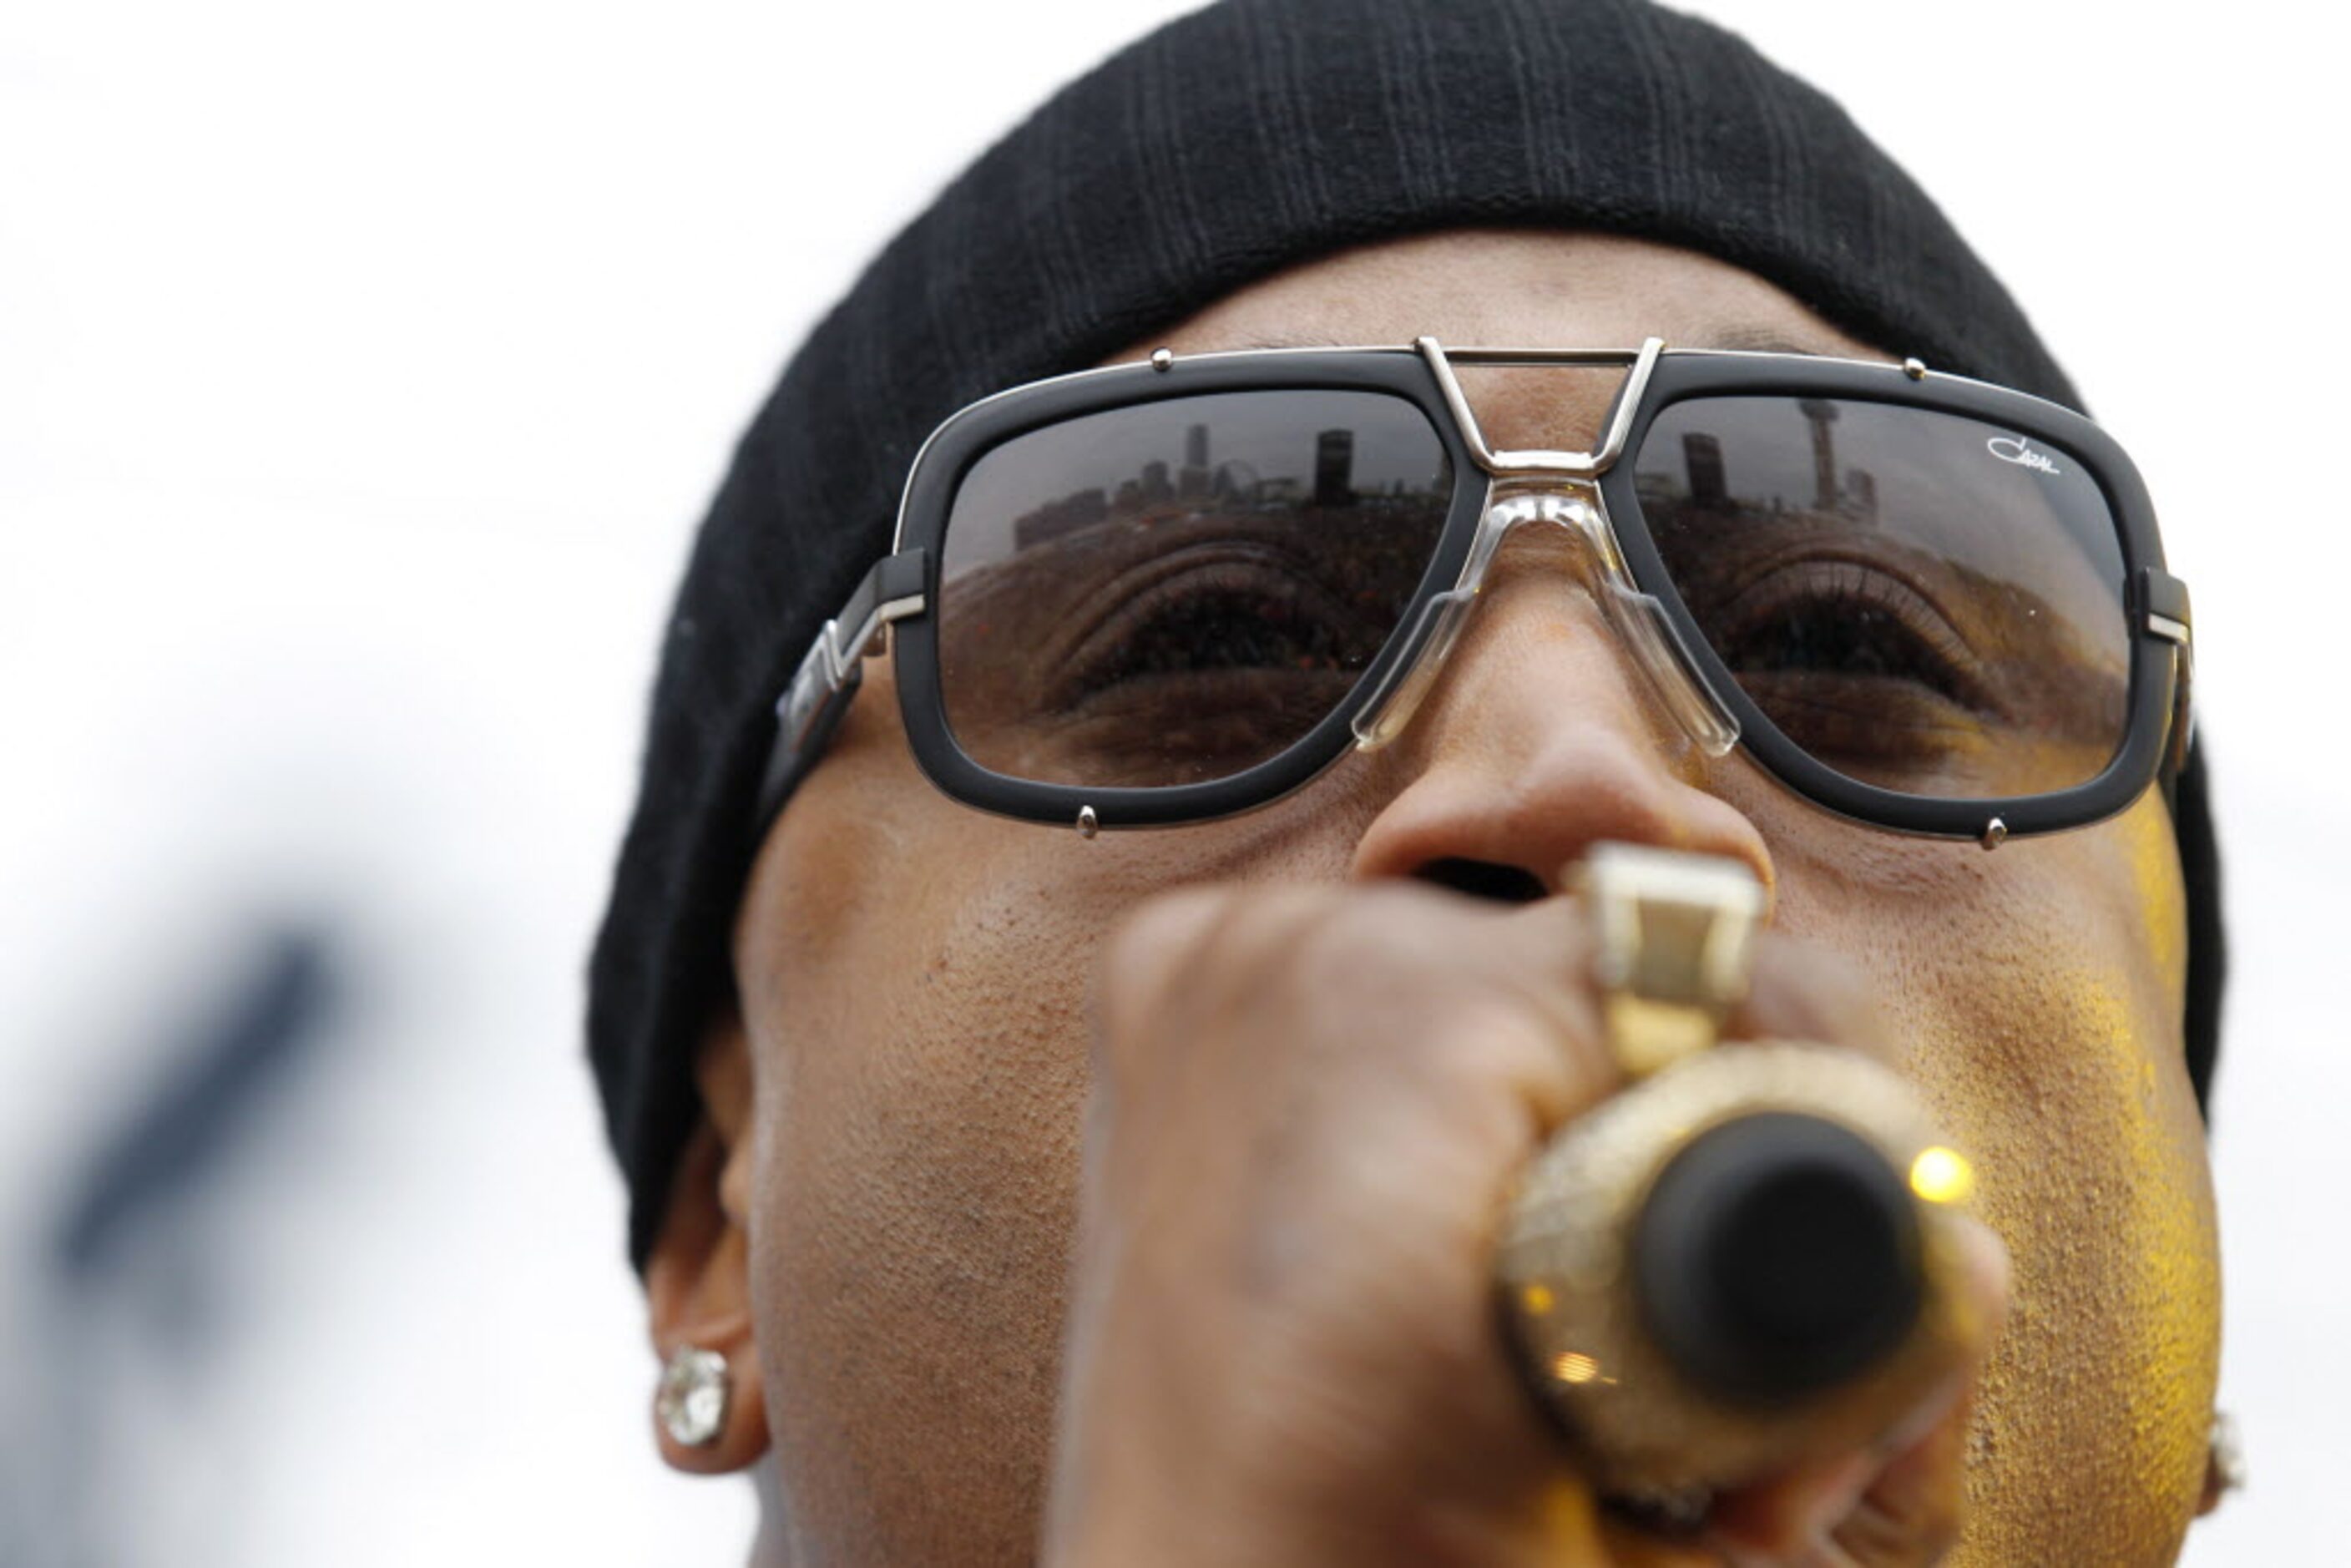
x=362, y=372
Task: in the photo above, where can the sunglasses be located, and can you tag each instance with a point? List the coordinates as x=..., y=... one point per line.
x=1175, y=591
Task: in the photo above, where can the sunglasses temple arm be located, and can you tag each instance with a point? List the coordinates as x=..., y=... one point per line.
x=829, y=675
x=2162, y=611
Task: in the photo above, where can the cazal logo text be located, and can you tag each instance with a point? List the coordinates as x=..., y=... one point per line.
x=2016, y=449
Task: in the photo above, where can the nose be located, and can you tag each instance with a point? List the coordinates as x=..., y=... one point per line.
x=1540, y=735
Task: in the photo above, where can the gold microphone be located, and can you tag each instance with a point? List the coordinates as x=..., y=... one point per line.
x=1749, y=1257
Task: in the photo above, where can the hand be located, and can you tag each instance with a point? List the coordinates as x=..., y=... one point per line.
x=1309, y=1106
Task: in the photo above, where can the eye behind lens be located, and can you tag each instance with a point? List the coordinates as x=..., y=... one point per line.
x=1849, y=621
x=1154, y=731
x=1220, y=609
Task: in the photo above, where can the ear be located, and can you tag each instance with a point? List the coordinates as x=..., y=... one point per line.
x=697, y=1281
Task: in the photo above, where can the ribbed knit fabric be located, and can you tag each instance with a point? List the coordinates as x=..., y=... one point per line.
x=1231, y=142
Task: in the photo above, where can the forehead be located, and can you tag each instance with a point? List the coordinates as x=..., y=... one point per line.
x=1521, y=288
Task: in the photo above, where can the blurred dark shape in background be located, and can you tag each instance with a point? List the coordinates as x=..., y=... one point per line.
x=141, y=1284
x=216, y=1081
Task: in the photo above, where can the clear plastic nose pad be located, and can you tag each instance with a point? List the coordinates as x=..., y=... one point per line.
x=1635, y=617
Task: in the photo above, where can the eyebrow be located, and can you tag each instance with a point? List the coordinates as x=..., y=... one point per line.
x=1758, y=340
x=1740, y=338
x=1737, y=339
x=1301, y=340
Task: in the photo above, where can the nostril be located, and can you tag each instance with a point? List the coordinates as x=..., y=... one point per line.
x=1484, y=879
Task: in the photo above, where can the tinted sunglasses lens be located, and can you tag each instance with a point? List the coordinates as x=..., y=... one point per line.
x=1177, y=591
x=1920, y=601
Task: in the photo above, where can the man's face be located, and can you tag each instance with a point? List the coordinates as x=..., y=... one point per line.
x=913, y=981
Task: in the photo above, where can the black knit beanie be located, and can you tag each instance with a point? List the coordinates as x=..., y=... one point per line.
x=1229, y=144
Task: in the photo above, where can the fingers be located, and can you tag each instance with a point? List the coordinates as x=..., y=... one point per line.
x=1449, y=965
x=1410, y=975
x=1308, y=1104
x=1802, y=992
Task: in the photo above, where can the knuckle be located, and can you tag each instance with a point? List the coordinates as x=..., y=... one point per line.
x=1918, y=1531
x=1176, y=955
x=1356, y=987
x=1351, y=947
x=1152, y=942
x=1492, y=1039
x=1802, y=991
x=1142, y=961
x=1938, y=1532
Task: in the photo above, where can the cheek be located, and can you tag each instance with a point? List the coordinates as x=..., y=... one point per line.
x=936, y=1063
x=922, y=1078
x=2035, y=993
x=915, y=1195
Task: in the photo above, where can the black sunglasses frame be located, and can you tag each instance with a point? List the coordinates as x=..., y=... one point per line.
x=901, y=589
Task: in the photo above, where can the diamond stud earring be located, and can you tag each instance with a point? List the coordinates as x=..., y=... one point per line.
x=692, y=1399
